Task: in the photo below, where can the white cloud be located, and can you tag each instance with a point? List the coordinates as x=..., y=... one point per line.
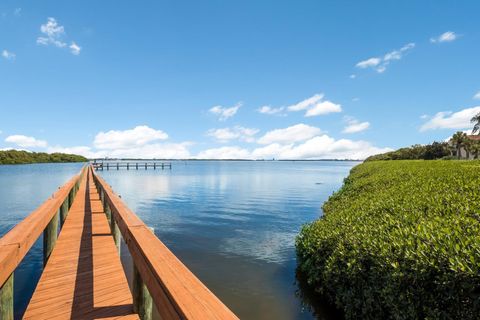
x=237, y=132
x=8, y=55
x=354, y=126
x=270, y=110
x=448, y=36
x=322, y=147
x=75, y=49
x=80, y=150
x=318, y=147
x=25, y=141
x=477, y=96
x=136, y=137
x=352, y=76
x=380, y=64
x=451, y=120
x=298, y=132
x=224, y=153
x=324, y=107
x=223, y=112
x=302, y=105
x=314, y=106
x=372, y=62
x=53, y=34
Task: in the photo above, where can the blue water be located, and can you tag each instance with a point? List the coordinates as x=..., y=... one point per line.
x=233, y=223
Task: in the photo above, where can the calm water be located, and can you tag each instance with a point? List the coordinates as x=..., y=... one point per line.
x=232, y=223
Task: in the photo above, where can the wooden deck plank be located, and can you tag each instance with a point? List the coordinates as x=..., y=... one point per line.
x=83, y=278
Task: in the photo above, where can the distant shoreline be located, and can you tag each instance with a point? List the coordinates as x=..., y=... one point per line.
x=253, y=160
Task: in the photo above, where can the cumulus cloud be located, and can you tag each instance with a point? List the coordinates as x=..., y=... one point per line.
x=26, y=141
x=451, y=120
x=372, y=62
x=54, y=34
x=124, y=139
x=304, y=104
x=448, y=36
x=237, y=132
x=315, y=106
x=318, y=147
x=477, y=96
x=380, y=64
x=354, y=126
x=224, y=153
x=324, y=107
x=298, y=132
x=8, y=55
x=270, y=110
x=224, y=113
x=323, y=147
x=75, y=49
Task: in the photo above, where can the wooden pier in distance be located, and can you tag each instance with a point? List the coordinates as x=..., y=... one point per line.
x=83, y=277
x=131, y=165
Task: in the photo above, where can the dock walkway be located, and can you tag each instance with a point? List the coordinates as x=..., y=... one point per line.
x=83, y=277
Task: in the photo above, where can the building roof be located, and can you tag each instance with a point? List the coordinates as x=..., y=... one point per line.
x=474, y=137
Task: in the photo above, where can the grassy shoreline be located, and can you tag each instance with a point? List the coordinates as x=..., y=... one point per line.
x=399, y=240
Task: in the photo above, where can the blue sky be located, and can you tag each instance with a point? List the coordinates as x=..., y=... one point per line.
x=236, y=79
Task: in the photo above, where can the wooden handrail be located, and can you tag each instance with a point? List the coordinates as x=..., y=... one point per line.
x=16, y=243
x=175, y=290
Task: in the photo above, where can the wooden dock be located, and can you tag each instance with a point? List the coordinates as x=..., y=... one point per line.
x=131, y=165
x=83, y=277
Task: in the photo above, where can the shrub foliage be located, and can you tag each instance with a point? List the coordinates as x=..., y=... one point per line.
x=400, y=240
x=23, y=157
x=436, y=150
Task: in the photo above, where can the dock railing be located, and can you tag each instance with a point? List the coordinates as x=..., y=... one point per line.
x=158, y=274
x=16, y=243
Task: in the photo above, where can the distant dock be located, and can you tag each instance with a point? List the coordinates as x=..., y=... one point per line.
x=131, y=165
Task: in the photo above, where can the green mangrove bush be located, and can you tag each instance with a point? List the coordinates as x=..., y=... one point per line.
x=23, y=157
x=399, y=240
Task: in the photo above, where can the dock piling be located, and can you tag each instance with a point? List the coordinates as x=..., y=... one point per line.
x=6, y=299
x=50, y=235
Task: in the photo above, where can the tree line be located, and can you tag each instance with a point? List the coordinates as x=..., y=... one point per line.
x=24, y=157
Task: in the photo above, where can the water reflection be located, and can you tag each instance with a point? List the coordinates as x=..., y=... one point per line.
x=234, y=224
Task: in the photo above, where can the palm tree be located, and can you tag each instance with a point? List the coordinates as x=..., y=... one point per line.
x=476, y=120
x=475, y=148
x=459, y=140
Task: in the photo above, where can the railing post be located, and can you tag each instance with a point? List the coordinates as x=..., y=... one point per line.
x=108, y=212
x=116, y=234
x=142, y=300
x=70, y=199
x=63, y=211
x=6, y=299
x=49, y=238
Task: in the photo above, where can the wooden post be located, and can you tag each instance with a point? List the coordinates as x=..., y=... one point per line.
x=116, y=234
x=6, y=299
x=136, y=165
x=70, y=198
x=107, y=166
x=145, y=166
x=154, y=166
x=142, y=300
x=128, y=164
x=108, y=212
x=63, y=211
x=49, y=238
